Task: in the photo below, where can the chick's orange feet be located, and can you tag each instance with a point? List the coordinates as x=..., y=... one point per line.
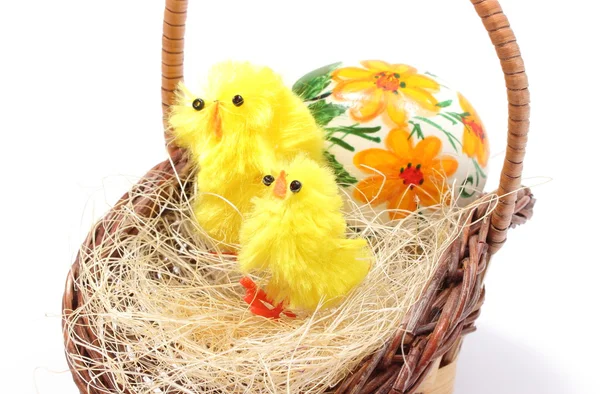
x=259, y=302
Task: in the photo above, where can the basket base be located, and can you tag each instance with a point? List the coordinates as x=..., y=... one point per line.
x=439, y=380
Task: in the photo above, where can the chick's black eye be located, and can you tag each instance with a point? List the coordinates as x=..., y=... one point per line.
x=198, y=104
x=295, y=186
x=268, y=179
x=237, y=100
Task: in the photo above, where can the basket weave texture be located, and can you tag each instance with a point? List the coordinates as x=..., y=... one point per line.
x=421, y=356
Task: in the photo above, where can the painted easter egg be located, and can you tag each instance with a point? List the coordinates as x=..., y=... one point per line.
x=398, y=138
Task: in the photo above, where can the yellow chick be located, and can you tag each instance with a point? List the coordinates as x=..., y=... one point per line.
x=297, y=233
x=245, y=120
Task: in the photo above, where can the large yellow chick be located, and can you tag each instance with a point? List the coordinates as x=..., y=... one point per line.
x=244, y=120
x=297, y=233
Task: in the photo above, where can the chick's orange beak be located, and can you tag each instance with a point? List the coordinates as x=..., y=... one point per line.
x=280, y=186
x=216, y=120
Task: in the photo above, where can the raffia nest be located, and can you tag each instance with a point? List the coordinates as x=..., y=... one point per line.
x=159, y=311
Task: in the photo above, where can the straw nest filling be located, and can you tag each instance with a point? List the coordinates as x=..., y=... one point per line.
x=169, y=315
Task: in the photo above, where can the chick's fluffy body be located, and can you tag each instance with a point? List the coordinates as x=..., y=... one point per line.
x=301, y=241
x=233, y=144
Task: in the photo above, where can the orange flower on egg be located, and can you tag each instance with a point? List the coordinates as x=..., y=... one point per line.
x=405, y=176
x=475, y=141
x=382, y=87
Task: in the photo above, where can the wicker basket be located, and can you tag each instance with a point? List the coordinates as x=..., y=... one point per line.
x=421, y=357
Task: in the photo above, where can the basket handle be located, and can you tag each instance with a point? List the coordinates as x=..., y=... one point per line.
x=512, y=64
x=172, y=54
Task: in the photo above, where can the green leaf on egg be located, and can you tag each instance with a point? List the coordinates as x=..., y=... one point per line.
x=353, y=129
x=451, y=138
x=310, y=86
x=466, y=188
x=459, y=117
x=416, y=130
x=444, y=104
x=324, y=112
x=342, y=177
x=362, y=132
x=341, y=143
x=449, y=118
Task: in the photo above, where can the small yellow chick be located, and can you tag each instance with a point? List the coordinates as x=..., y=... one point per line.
x=297, y=233
x=245, y=120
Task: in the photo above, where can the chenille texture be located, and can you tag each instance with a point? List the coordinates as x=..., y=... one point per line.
x=232, y=145
x=300, y=239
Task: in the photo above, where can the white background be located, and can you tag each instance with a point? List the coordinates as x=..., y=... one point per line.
x=81, y=119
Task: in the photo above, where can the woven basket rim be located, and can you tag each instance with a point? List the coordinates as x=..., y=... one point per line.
x=431, y=330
